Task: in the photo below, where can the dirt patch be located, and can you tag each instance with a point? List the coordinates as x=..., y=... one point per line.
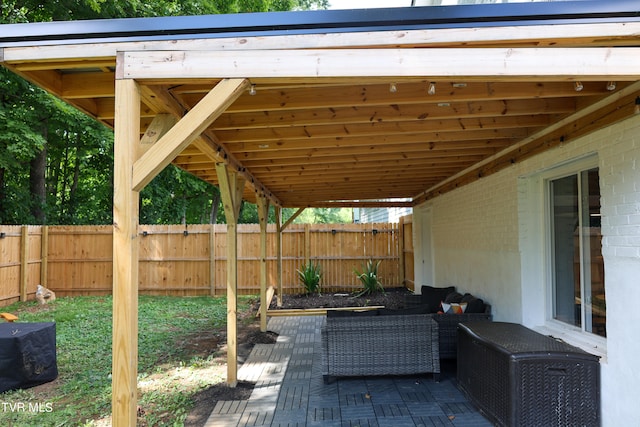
x=206, y=399
x=249, y=335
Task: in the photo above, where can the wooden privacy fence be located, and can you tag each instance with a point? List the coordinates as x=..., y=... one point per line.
x=191, y=260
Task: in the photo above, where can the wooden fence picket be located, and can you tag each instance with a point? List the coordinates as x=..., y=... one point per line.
x=190, y=260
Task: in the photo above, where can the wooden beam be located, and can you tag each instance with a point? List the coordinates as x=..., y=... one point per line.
x=87, y=85
x=460, y=139
x=160, y=99
x=349, y=94
x=231, y=188
x=278, y=212
x=186, y=130
x=363, y=204
x=263, y=216
x=425, y=110
x=600, y=63
x=389, y=129
x=160, y=125
x=291, y=218
x=125, y=256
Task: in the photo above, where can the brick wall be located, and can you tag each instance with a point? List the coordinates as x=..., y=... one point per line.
x=488, y=239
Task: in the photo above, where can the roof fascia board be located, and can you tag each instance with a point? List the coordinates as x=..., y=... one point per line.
x=573, y=34
x=316, y=22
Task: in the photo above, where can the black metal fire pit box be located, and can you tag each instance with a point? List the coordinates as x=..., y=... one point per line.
x=27, y=354
x=518, y=377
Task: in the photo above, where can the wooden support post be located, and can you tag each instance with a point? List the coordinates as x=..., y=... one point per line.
x=44, y=256
x=401, y=260
x=279, y=254
x=24, y=262
x=231, y=188
x=212, y=260
x=263, y=216
x=125, y=256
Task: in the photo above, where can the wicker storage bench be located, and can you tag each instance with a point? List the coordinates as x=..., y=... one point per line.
x=518, y=377
x=448, y=329
x=380, y=345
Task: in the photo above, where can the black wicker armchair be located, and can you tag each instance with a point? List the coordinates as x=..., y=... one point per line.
x=380, y=345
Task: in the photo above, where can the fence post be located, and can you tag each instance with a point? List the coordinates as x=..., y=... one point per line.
x=212, y=260
x=307, y=244
x=24, y=262
x=44, y=256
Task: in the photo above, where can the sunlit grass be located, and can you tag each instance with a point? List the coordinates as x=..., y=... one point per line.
x=170, y=369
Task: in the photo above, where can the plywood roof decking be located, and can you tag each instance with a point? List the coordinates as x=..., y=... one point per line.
x=312, y=141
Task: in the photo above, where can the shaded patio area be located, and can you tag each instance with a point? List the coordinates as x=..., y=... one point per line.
x=290, y=391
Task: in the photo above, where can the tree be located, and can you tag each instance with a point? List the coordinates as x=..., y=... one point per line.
x=21, y=139
x=56, y=164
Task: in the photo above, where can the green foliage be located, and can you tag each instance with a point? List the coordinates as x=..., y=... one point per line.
x=369, y=278
x=310, y=277
x=176, y=197
x=74, y=183
x=82, y=393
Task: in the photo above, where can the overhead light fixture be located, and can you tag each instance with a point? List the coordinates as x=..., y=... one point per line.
x=578, y=86
x=393, y=88
x=432, y=89
x=611, y=86
x=252, y=90
x=636, y=109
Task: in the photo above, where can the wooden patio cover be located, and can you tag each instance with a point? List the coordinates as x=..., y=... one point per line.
x=367, y=117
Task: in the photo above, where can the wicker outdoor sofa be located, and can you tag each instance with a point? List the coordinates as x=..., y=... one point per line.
x=380, y=344
x=448, y=323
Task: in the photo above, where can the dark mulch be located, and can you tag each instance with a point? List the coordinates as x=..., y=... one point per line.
x=391, y=298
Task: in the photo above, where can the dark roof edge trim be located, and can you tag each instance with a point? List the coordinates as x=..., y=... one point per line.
x=315, y=22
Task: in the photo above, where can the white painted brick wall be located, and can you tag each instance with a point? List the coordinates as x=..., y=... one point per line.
x=477, y=243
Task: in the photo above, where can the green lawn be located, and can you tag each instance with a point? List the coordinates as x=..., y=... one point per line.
x=175, y=361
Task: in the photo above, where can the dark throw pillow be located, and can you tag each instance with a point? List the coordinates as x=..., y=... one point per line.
x=453, y=297
x=474, y=305
x=434, y=296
